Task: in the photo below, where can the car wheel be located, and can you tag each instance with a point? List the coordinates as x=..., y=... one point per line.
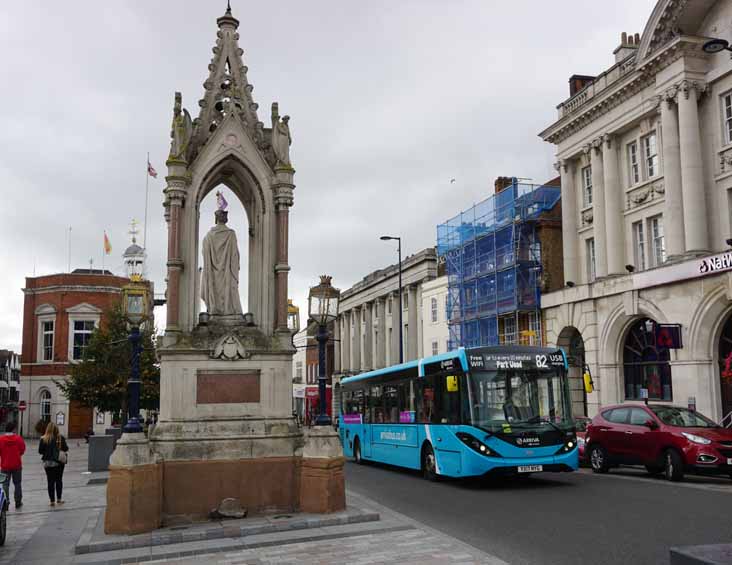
x=357, y=452
x=598, y=459
x=654, y=469
x=673, y=465
x=3, y=525
x=429, y=464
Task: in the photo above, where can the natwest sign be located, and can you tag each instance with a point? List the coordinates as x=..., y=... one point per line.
x=717, y=263
x=690, y=269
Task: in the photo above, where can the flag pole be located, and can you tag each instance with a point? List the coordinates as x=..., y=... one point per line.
x=69, y=249
x=147, y=183
x=104, y=251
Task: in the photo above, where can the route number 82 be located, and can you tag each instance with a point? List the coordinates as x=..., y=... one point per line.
x=541, y=361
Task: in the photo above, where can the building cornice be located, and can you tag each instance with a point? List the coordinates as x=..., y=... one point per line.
x=72, y=288
x=589, y=104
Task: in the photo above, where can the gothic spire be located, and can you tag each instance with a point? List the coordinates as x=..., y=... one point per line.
x=227, y=90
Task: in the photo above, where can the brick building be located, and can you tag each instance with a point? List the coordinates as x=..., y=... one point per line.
x=59, y=314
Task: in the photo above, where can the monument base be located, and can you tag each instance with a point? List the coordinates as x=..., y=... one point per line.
x=191, y=489
x=134, y=489
x=322, y=485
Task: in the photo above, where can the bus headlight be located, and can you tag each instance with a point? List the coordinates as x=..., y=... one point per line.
x=475, y=444
x=568, y=446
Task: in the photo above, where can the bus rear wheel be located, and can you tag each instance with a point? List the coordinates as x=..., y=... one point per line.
x=357, y=452
x=429, y=464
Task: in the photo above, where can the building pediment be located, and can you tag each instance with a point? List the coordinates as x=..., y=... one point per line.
x=45, y=309
x=83, y=308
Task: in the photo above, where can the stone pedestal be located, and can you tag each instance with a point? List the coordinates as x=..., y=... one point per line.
x=322, y=486
x=134, y=490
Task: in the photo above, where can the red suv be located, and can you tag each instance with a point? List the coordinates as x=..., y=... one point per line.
x=666, y=439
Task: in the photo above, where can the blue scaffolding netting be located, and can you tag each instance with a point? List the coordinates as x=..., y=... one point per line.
x=493, y=263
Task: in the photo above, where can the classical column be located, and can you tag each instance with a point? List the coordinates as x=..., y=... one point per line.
x=356, y=339
x=283, y=201
x=598, y=209
x=570, y=240
x=347, y=366
x=614, y=220
x=411, y=348
x=380, y=361
x=692, y=180
x=337, y=345
x=175, y=194
x=673, y=212
x=394, y=346
x=368, y=347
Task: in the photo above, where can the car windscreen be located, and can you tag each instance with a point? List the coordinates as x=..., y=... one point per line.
x=681, y=417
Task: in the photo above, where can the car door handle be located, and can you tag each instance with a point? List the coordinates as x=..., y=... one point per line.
x=631, y=433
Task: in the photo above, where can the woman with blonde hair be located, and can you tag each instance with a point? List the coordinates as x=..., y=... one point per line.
x=54, y=455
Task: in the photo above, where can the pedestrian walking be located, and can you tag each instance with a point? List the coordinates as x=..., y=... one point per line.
x=54, y=455
x=12, y=448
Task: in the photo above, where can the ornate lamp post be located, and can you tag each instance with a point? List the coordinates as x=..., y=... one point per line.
x=323, y=309
x=136, y=301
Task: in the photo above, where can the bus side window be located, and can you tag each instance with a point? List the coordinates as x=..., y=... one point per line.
x=424, y=394
x=376, y=401
x=391, y=401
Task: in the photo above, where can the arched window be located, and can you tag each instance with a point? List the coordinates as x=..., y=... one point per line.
x=45, y=406
x=646, y=366
x=725, y=366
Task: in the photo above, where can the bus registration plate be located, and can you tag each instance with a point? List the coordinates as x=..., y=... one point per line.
x=530, y=468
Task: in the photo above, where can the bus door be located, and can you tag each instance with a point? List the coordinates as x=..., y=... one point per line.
x=373, y=409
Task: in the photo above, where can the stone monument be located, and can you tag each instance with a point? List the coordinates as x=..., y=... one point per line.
x=226, y=428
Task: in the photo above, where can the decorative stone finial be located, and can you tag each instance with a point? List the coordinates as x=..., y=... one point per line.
x=228, y=7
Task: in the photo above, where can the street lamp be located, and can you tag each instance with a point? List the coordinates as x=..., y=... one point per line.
x=323, y=310
x=716, y=45
x=401, y=327
x=135, y=312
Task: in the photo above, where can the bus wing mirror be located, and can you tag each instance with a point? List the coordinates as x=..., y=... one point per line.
x=587, y=378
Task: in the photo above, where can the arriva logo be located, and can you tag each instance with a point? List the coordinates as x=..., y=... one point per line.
x=399, y=436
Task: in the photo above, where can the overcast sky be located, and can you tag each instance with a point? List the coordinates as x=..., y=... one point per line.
x=389, y=100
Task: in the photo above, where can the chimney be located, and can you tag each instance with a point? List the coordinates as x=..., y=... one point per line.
x=578, y=82
x=628, y=45
x=502, y=183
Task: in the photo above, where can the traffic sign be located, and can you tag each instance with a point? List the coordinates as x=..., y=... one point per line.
x=21, y=406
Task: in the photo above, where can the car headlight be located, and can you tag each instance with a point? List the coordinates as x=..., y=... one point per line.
x=696, y=439
x=475, y=444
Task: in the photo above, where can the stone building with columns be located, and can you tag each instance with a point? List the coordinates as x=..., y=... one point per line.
x=645, y=156
x=367, y=328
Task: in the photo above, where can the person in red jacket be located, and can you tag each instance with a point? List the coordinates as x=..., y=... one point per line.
x=12, y=448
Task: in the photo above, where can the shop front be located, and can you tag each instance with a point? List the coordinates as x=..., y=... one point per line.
x=663, y=335
x=312, y=403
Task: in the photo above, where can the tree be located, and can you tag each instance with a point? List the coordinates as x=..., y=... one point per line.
x=99, y=380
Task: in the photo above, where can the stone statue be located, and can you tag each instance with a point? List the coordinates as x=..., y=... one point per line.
x=281, y=139
x=181, y=131
x=220, y=277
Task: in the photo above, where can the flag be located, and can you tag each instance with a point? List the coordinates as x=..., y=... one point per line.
x=151, y=171
x=221, y=201
x=107, y=245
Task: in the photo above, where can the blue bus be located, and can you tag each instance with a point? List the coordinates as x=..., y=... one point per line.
x=489, y=411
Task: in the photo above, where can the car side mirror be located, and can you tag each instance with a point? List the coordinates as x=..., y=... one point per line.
x=652, y=424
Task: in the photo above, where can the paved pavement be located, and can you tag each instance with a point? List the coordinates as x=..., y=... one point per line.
x=39, y=534
x=561, y=518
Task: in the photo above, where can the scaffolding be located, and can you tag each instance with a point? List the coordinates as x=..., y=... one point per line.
x=492, y=256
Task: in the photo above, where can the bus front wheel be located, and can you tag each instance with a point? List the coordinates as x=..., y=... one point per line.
x=429, y=463
x=357, y=452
